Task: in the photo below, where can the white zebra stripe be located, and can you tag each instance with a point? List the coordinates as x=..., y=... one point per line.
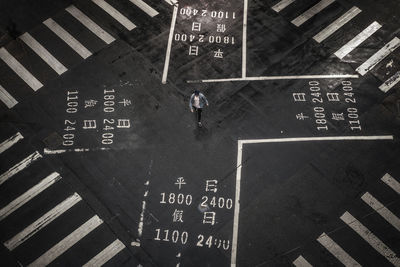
x=370, y=238
x=106, y=254
x=67, y=38
x=390, y=83
x=337, y=24
x=19, y=166
x=378, y=56
x=282, y=5
x=65, y=244
x=28, y=195
x=20, y=70
x=10, y=142
x=124, y=21
x=6, y=98
x=90, y=24
x=145, y=7
x=301, y=262
x=300, y=20
x=390, y=181
x=42, y=222
x=43, y=53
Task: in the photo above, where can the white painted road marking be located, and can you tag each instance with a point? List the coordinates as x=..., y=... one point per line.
x=19, y=166
x=10, y=142
x=67, y=242
x=359, y=39
x=145, y=7
x=90, y=24
x=43, y=53
x=282, y=5
x=42, y=222
x=47, y=151
x=106, y=254
x=301, y=262
x=6, y=98
x=337, y=24
x=244, y=42
x=278, y=140
x=124, y=21
x=67, y=38
x=20, y=70
x=169, y=45
x=274, y=78
x=370, y=238
x=390, y=181
x=390, y=83
x=382, y=210
x=337, y=251
x=378, y=56
x=312, y=12
x=28, y=195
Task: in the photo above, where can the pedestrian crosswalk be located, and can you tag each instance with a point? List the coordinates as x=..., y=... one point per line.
x=347, y=48
x=22, y=241
x=362, y=231
x=82, y=16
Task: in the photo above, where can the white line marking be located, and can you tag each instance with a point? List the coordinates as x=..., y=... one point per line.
x=90, y=24
x=169, y=45
x=337, y=251
x=10, y=142
x=19, y=167
x=337, y=24
x=312, y=12
x=145, y=7
x=67, y=38
x=28, y=195
x=6, y=98
x=172, y=2
x=42, y=222
x=282, y=5
x=43, y=53
x=47, y=151
x=20, y=70
x=390, y=181
x=382, y=210
x=277, y=140
x=124, y=21
x=359, y=39
x=370, y=238
x=378, y=56
x=274, y=78
x=390, y=83
x=244, y=39
x=67, y=242
x=301, y=262
x=106, y=254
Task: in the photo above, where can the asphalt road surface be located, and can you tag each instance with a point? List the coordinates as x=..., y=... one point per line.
x=296, y=162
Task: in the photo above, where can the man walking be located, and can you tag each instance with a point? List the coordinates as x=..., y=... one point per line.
x=196, y=103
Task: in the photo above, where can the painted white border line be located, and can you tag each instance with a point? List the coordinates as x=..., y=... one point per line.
x=28, y=195
x=301, y=262
x=42, y=222
x=278, y=140
x=67, y=242
x=90, y=24
x=337, y=24
x=274, y=78
x=370, y=238
x=6, y=98
x=124, y=21
x=359, y=39
x=20, y=70
x=337, y=251
x=244, y=39
x=282, y=5
x=19, y=166
x=10, y=142
x=43, y=53
x=381, y=210
x=106, y=254
x=169, y=45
